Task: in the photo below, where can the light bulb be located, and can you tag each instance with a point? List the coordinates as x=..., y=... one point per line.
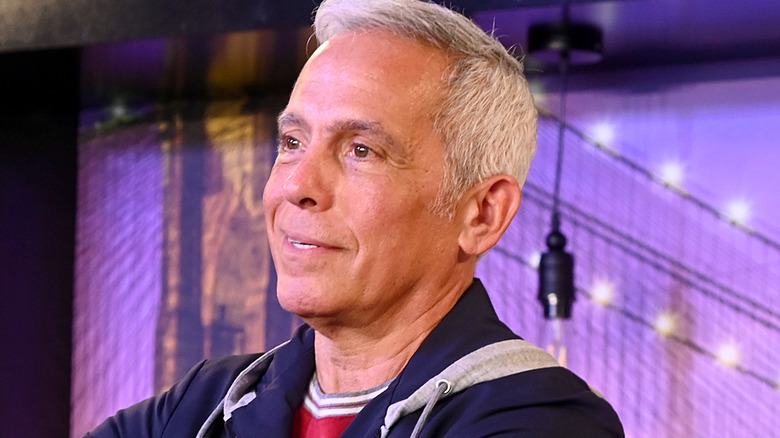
x=672, y=173
x=555, y=338
x=603, y=133
x=738, y=211
x=728, y=355
x=534, y=259
x=603, y=292
x=665, y=324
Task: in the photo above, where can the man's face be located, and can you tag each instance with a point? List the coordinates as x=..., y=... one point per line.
x=347, y=202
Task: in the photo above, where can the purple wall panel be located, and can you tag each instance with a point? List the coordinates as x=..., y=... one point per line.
x=118, y=273
x=662, y=253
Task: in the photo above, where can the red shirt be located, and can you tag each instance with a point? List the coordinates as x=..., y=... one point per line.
x=328, y=415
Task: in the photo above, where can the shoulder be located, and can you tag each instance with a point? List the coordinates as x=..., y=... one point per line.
x=207, y=383
x=542, y=402
x=538, y=403
x=182, y=409
x=216, y=370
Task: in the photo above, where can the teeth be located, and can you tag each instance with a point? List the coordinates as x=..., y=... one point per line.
x=301, y=245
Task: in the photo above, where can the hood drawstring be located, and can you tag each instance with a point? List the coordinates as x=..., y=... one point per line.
x=443, y=387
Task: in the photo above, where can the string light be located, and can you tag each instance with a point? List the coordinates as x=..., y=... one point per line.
x=672, y=173
x=665, y=324
x=119, y=109
x=728, y=355
x=603, y=292
x=603, y=133
x=534, y=259
x=738, y=211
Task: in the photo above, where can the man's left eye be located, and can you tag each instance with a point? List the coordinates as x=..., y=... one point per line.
x=361, y=151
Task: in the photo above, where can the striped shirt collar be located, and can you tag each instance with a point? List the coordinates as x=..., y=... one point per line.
x=320, y=404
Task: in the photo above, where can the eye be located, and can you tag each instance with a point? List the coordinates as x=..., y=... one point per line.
x=361, y=151
x=287, y=143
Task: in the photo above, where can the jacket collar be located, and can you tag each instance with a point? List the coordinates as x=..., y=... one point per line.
x=283, y=377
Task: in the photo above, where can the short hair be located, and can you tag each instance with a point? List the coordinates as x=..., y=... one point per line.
x=487, y=121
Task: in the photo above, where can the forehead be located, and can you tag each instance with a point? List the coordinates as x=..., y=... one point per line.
x=381, y=52
x=374, y=72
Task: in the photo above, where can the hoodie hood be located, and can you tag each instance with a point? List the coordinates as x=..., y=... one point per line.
x=470, y=346
x=488, y=363
x=491, y=362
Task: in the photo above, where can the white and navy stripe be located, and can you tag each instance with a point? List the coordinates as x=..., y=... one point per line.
x=321, y=405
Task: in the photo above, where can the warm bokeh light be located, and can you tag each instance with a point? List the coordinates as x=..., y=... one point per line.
x=738, y=211
x=665, y=324
x=728, y=355
x=535, y=259
x=603, y=292
x=603, y=133
x=673, y=173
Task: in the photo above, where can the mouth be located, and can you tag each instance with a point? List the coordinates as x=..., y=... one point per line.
x=301, y=245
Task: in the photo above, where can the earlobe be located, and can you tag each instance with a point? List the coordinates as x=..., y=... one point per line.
x=488, y=209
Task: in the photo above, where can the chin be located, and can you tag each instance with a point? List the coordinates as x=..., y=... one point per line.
x=300, y=299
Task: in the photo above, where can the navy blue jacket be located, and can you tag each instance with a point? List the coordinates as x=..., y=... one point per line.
x=546, y=402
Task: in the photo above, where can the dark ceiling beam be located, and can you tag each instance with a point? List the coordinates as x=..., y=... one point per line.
x=41, y=24
x=44, y=24
x=472, y=6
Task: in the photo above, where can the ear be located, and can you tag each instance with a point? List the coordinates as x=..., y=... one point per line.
x=486, y=211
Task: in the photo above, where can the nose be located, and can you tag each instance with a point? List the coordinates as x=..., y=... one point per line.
x=308, y=183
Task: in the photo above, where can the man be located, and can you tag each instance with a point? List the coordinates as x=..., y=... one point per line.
x=401, y=155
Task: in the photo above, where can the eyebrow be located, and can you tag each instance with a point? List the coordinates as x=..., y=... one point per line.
x=286, y=119
x=373, y=128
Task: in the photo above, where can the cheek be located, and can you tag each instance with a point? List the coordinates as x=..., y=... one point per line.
x=267, y=195
x=377, y=204
x=272, y=196
x=388, y=217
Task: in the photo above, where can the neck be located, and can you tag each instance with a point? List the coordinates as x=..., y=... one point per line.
x=355, y=358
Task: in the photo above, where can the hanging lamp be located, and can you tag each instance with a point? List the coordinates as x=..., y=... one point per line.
x=564, y=44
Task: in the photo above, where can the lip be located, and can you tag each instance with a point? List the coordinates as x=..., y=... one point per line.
x=302, y=245
x=300, y=255
x=303, y=242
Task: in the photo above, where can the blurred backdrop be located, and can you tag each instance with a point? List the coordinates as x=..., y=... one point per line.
x=136, y=140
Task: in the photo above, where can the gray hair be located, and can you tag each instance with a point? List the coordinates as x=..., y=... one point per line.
x=487, y=120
